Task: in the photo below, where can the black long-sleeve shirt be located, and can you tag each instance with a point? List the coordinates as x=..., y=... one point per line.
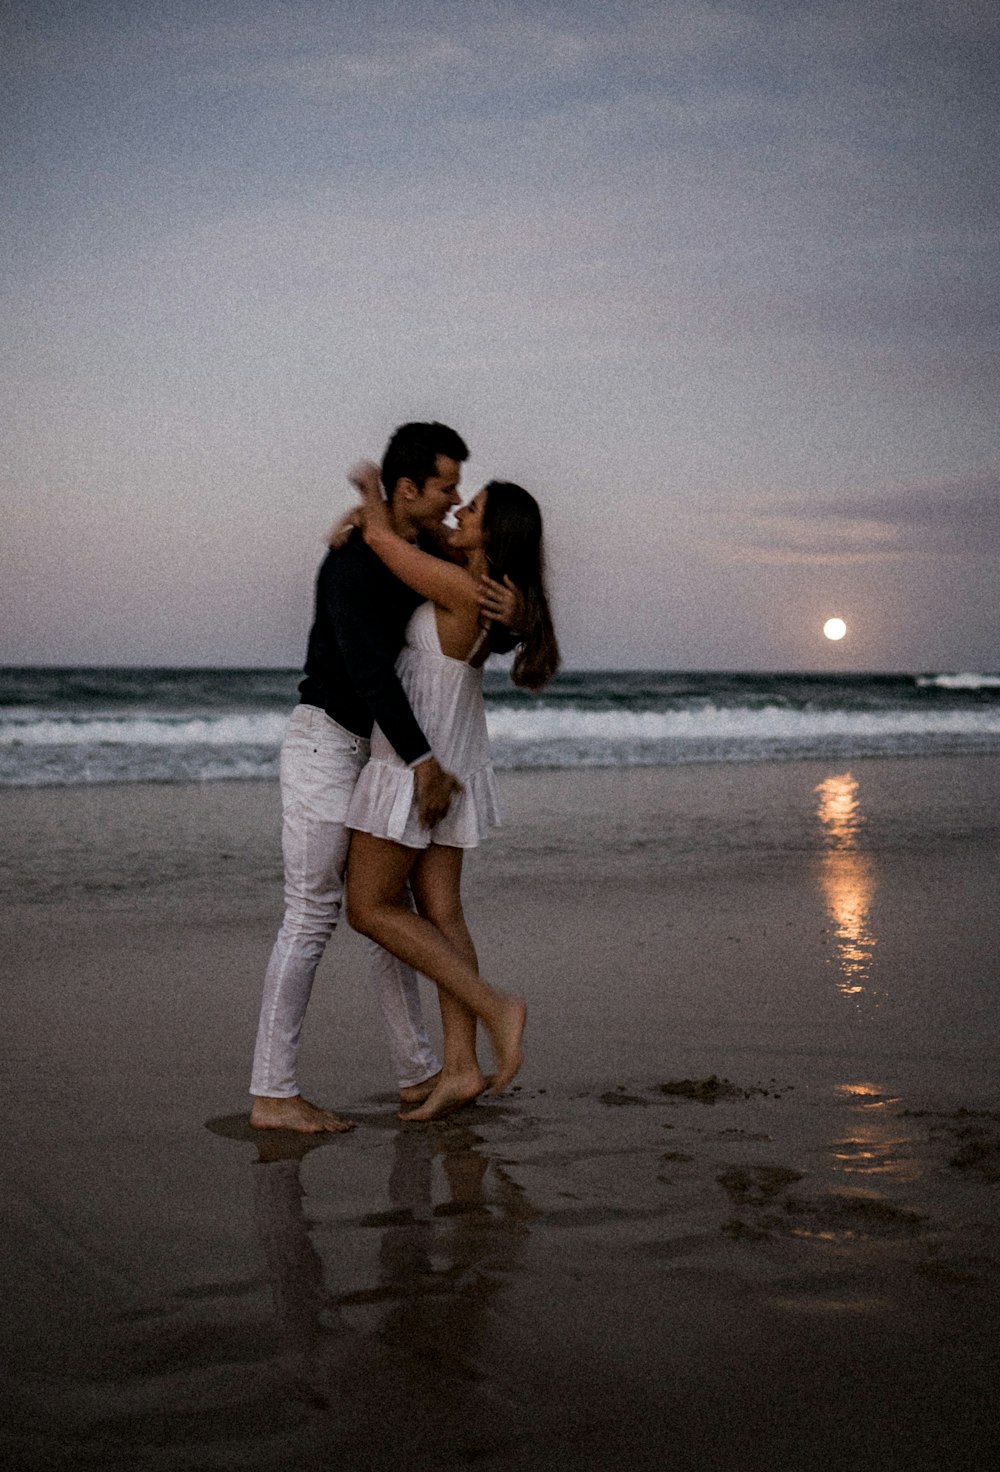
x=350, y=672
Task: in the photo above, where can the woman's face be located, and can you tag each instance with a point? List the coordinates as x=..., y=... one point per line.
x=469, y=523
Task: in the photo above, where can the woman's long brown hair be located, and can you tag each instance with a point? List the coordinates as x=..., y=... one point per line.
x=512, y=541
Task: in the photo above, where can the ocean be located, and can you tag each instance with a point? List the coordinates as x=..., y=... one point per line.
x=67, y=727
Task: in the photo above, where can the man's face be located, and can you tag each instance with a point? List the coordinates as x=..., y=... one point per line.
x=440, y=493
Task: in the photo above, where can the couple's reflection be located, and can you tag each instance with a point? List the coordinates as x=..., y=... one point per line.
x=454, y=1231
x=442, y=1266
x=294, y=1267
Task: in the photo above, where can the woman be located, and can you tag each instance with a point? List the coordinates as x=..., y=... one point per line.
x=499, y=533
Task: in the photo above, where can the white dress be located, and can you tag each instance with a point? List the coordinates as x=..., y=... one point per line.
x=447, y=699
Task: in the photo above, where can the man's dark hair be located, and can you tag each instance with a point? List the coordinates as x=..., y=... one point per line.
x=412, y=453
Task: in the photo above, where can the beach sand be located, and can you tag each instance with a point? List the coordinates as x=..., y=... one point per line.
x=738, y=1212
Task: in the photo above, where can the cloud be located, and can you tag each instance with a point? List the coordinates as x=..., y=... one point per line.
x=963, y=513
x=944, y=519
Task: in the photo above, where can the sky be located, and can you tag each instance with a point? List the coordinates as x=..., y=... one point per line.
x=718, y=282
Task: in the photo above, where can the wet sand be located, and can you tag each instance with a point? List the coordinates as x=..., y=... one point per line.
x=740, y=1210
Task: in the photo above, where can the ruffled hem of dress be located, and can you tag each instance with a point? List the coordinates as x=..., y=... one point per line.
x=384, y=805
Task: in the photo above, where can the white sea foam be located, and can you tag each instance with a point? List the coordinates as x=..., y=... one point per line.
x=708, y=722
x=60, y=749
x=263, y=729
x=960, y=682
x=531, y=724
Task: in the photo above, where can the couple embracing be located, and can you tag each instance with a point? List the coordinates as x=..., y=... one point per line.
x=386, y=775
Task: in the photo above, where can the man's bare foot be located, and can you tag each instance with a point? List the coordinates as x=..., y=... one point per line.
x=506, y=1040
x=450, y=1093
x=415, y=1094
x=295, y=1113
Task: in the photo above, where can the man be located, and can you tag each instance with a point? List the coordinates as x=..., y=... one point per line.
x=350, y=679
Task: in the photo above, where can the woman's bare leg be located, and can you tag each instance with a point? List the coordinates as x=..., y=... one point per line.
x=377, y=869
x=436, y=881
x=461, y=1079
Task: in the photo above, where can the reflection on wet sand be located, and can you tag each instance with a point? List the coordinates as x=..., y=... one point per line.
x=417, y=1353
x=877, y=1144
x=848, y=881
x=294, y=1267
x=441, y=1267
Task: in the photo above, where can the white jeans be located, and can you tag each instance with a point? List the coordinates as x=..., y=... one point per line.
x=320, y=763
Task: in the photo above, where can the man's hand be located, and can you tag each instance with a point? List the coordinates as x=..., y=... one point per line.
x=434, y=788
x=502, y=602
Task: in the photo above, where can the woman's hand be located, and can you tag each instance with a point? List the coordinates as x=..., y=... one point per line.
x=365, y=478
x=338, y=534
x=373, y=513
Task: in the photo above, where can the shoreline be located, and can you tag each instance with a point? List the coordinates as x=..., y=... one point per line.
x=718, y=875
x=853, y=752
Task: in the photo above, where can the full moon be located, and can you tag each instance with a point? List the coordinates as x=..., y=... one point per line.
x=835, y=628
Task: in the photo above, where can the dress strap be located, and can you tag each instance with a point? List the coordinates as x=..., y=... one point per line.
x=480, y=641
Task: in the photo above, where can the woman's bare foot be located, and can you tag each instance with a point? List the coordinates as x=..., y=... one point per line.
x=415, y=1094
x=506, y=1040
x=295, y=1113
x=450, y=1093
